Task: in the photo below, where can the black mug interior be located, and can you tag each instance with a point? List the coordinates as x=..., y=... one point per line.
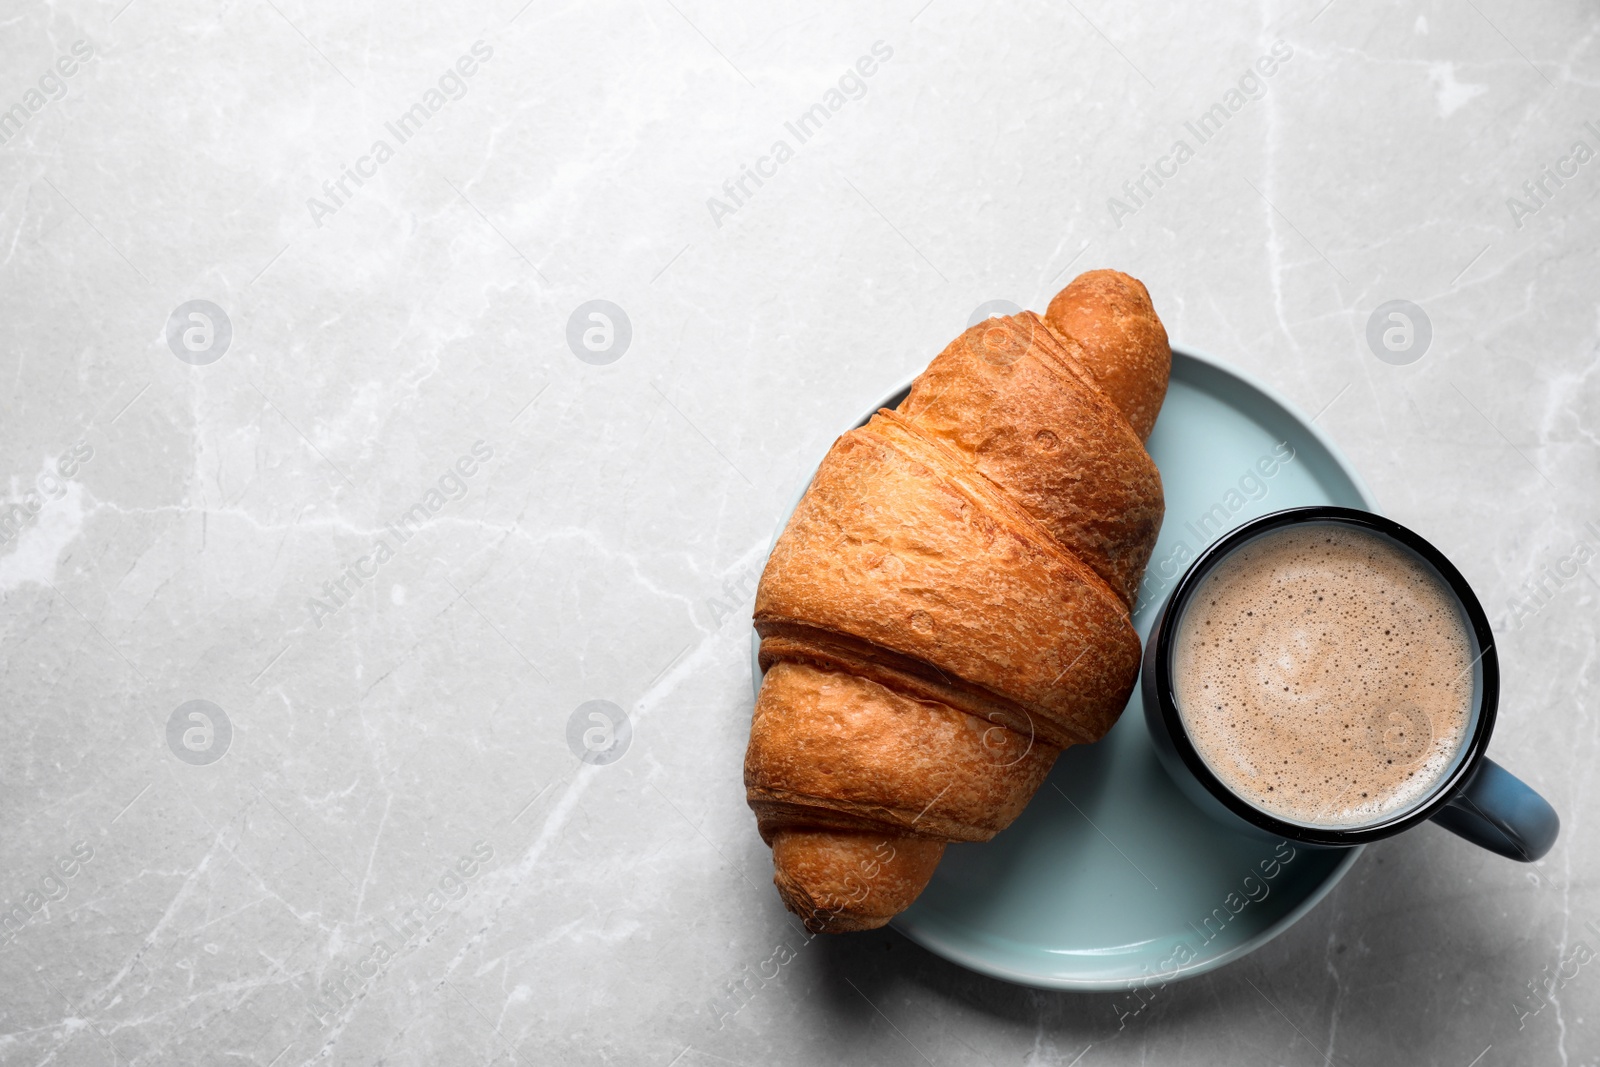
x=1485, y=688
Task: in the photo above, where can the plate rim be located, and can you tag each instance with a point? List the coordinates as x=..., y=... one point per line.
x=958, y=955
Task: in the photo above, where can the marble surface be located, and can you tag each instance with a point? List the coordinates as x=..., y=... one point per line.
x=387, y=746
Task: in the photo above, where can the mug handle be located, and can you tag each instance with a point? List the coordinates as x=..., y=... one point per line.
x=1498, y=811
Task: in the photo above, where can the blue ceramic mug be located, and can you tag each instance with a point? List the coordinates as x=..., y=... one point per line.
x=1474, y=797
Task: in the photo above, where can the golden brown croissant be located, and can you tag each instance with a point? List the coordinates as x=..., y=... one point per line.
x=948, y=606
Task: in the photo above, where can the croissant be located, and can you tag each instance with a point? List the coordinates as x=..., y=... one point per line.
x=949, y=605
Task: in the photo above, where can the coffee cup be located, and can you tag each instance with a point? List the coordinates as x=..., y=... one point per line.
x=1302, y=682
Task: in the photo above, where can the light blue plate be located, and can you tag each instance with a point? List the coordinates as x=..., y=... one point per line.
x=1110, y=869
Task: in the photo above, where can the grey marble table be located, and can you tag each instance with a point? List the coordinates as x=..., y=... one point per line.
x=330, y=507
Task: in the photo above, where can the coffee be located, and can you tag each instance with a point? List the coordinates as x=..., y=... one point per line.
x=1324, y=674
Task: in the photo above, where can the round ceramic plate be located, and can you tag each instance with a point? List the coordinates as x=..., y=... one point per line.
x=1111, y=878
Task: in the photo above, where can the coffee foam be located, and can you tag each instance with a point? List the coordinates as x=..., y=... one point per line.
x=1324, y=674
